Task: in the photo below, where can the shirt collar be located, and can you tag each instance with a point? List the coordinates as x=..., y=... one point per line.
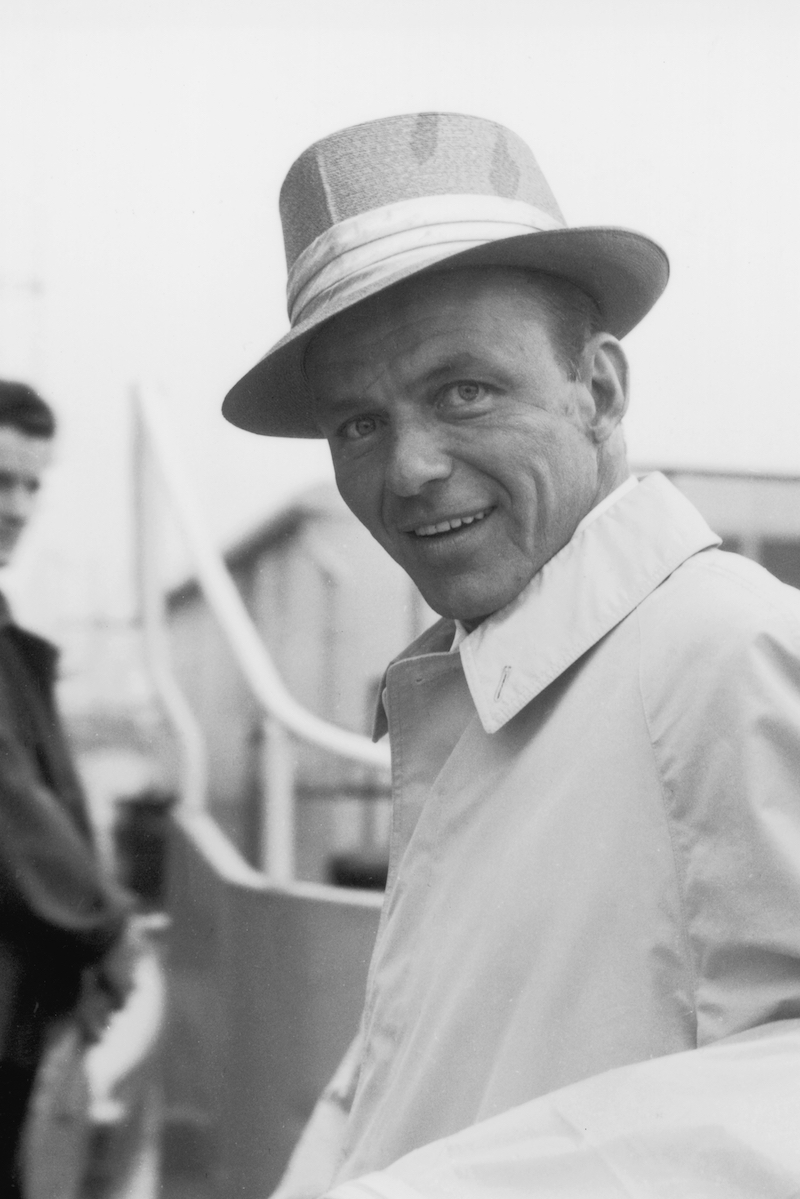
x=612, y=497
x=462, y=632
x=613, y=561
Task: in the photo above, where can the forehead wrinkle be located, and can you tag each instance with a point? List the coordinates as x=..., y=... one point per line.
x=379, y=356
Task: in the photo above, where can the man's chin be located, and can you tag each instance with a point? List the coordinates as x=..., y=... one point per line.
x=470, y=606
x=470, y=614
x=473, y=621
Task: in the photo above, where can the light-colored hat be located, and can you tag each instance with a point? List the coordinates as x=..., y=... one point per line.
x=376, y=203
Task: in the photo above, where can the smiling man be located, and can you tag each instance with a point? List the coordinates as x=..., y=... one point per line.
x=586, y=980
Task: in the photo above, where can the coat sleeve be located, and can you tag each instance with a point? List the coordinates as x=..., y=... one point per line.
x=53, y=893
x=713, y=1123
x=724, y=719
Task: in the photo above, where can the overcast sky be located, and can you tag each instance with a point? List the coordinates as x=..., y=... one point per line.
x=142, y=147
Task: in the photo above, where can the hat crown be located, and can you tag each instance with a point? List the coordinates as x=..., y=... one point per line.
x=376, y=204
x=381, y=162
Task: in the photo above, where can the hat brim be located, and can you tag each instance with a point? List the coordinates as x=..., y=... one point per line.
x=624, y=272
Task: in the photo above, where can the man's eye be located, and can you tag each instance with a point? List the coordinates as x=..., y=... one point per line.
x=457, y=395
x=359, y=427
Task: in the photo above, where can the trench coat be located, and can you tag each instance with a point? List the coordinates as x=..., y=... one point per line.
x=58, y=911
x=586, y=980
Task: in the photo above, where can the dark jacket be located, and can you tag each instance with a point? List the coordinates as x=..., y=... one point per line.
x=58, y=912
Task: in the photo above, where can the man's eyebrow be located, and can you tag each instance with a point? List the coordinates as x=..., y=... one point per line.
x=456, y=364
x=326, y=404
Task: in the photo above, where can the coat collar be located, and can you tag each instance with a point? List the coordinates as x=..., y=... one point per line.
x=600, y=576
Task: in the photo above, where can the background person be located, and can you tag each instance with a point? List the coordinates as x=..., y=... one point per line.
x=63, y=944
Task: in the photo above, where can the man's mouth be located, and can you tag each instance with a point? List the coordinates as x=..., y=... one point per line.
x=450, y=525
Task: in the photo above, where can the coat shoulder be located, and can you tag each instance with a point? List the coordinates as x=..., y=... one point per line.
x=719, y=616
x=723, y=599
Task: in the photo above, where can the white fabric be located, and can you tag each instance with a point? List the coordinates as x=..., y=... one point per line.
x=373, y=245
x=634, y=1133
x=611, y=499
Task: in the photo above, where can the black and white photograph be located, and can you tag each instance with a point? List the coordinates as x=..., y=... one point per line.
x=399, y=599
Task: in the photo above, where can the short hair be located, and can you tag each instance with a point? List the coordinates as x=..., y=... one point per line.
x=573, y=317
x=24, y=409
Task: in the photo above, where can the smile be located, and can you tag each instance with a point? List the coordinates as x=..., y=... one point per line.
x=448, y=526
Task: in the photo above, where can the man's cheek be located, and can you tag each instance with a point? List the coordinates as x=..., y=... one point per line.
x=363, y=503
x=346, y=483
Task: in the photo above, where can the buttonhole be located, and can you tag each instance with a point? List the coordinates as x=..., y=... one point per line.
x=502, y=683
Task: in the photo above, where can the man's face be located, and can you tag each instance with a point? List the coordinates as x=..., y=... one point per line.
x=457, y=437
x=23, y=461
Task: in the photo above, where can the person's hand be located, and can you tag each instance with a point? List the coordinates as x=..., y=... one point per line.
x=94, y=1008
x=106, y=986
x=115, y=972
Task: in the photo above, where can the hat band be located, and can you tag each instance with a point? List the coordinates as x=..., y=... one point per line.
x=367, y=251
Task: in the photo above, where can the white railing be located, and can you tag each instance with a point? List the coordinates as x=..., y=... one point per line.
x=159, y=479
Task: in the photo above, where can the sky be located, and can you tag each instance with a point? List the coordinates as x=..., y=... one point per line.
x=142, y=147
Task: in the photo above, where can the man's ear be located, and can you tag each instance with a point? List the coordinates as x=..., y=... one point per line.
x=606, y=377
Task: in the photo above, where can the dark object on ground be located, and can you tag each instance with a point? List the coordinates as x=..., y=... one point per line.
x=358, y=870
x=140, y=836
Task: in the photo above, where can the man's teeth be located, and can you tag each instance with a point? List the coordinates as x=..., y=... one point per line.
x=446, y=525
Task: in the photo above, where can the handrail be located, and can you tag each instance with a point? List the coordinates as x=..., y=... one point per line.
x=193, y=765
x=227, y=605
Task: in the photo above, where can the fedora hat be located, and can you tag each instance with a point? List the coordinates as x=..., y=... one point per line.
x=372, y=205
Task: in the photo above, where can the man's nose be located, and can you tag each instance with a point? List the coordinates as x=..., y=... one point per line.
x=417, y=457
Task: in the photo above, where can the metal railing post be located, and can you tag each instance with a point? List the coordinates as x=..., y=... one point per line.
x=278, y=799
x=148, y=520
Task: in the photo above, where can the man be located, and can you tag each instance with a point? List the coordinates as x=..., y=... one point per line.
x=586, y=980
x=63, y=948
